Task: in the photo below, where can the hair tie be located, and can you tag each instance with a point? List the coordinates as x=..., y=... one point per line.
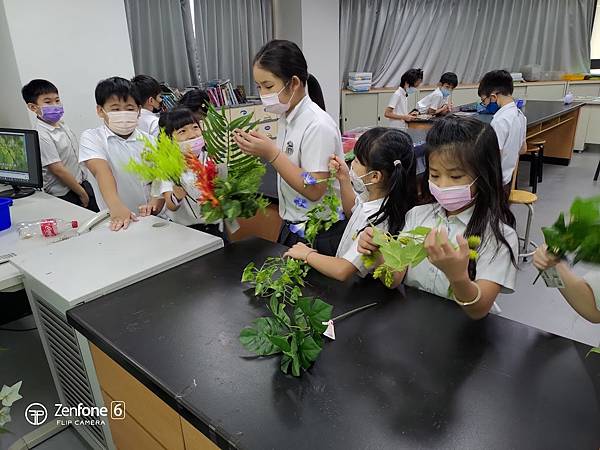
x=397, y=163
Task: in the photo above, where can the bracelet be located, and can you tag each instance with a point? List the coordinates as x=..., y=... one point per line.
x=306, y=257
x=276, y=156
x=174, y=199
x=477, y=298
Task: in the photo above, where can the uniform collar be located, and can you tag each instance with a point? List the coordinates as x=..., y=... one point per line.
x=464, y=217
x=508, y=106
x=403, y=91
x=372, y=206
x=145, y=112
x=109, y=134
x=47, y=126
x=298, y=109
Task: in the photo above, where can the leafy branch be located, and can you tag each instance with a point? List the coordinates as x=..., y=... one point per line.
x=160, y=160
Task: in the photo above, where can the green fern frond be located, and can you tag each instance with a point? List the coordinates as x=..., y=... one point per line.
x=160, y=160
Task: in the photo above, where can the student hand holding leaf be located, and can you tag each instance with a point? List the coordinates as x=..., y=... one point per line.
x=443, y=255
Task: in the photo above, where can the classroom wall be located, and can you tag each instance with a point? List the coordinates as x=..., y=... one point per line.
x=287, y=20
x=72, y=43
x=12, y=112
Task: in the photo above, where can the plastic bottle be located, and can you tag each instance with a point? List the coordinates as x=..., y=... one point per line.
x=569, y=98
x=46, y=227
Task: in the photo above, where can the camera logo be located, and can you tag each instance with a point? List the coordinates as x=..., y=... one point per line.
x=117, y=410
x=36, y=414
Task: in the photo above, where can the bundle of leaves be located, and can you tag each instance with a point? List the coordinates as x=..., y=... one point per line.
x=581, y=236
x=205, y=172
x=160, y=160
x=236, y=186
x=404, y=250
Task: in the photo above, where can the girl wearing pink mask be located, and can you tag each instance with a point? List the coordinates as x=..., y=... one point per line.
x=306, y=138
x=464, y=185
x=181, y=199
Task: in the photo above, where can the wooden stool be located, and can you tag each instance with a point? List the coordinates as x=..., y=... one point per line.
x=519, y=197
x=535, y=150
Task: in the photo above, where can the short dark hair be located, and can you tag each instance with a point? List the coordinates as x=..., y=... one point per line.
x=32, y=90
x=118, y=86
x=196, y=100
x=449, y=78
x=146, y=86
x=177, y=118
x=496, y=81
x=411, y=77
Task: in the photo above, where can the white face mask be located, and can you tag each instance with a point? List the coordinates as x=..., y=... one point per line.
x=359, y=186
x=273, y=105
x=122, y=122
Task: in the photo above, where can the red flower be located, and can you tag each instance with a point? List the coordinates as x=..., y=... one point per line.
x=205, y=178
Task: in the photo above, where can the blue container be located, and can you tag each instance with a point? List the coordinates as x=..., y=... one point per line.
x=5, y=204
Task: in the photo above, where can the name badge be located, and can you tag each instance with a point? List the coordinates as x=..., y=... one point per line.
x=289, y=148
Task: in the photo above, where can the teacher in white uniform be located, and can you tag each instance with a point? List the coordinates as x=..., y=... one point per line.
x=307, y=137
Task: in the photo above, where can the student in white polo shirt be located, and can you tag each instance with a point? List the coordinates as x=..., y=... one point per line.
x=509, y=123
x=437, y=103
x=397, y=110
x=149, y=92
x=307, y=137
x=63, y=176
x=106, y=150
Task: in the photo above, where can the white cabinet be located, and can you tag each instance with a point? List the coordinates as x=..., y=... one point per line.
x=546, y=91
x=584, y=90
x=520, y=92
x=359, y=110
x=588, y=131
x=383, y=100
x=464, y=96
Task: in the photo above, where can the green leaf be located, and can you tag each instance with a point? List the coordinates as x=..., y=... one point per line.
x=249, y=274
x=316, y=312
x=285, y=363
x=309, y=350
x=420, y=231
x=281, y=343
x=257, y=340
x=593, y=350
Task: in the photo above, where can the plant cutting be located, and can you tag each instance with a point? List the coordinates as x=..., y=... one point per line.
x=160, y=160
x=8, y=396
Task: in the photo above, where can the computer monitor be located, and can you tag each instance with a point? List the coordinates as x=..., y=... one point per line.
x=20, y=164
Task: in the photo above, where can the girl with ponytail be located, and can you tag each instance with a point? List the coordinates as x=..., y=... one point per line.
x=378, y=190
x=306, y=137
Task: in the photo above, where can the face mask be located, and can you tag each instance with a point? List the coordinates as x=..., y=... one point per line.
x=359, y=186
x=452, y=198
x=490, y=108
x=195, y=145
x=411, y=90
x=445, y=92
x=273, y=105
x=122, y=122
x=51, y=113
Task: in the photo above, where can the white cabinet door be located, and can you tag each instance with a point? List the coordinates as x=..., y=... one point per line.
x=520, y=92
x=546, y=92
x=464, y=96
x=383, y=100
x=359, y=110
x=584, y=90
x=593, y=129
x=582, y=128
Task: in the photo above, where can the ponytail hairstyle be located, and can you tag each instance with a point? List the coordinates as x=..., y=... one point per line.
x=178, y=117
x=390, y=151
x=284, y=59
x=474, y=146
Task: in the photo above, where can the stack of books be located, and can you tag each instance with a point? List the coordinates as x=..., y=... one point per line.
x=222, y=93
x=360, y=81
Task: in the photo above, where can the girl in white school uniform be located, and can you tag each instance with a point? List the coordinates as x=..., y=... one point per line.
x=379, y=189
x=465, y=181
x=306, y=137
x=397, y=110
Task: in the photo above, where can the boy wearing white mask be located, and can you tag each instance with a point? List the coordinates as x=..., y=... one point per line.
x=106, y=150
x=397, y=110
x=438, y=102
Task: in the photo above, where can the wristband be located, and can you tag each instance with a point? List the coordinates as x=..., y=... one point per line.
x=309, y=253
x=174, y=199
x=472, y=302
x=276, y=156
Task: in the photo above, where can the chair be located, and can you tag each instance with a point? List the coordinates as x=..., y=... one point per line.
x=535, y=150
x=519, y=197
x=597, y=172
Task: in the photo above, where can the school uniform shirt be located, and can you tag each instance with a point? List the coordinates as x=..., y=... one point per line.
x=399, y=101
x=58, y=144
x=593, y=280
x=189, y=212
x=308, y=136
x=435, y=100
x=102, y=143
x=494, y=262
x=510, y=126
x=348, y=248
x=148, y=122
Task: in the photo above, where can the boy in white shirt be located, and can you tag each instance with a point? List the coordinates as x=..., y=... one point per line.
x=106, y=150
x=63, y=175
x=509, y=123
x=397, y=110
x=149, y=92
x=437, y=103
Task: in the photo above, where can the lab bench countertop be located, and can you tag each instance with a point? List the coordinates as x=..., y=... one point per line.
x=413, y=371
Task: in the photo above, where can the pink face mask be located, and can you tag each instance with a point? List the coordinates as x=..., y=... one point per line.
x=452, y=198
x=195, y=145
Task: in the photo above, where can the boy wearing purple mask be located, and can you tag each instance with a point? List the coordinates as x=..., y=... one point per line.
x=63, y=175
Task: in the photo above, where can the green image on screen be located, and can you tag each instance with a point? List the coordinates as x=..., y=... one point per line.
x=13, y=156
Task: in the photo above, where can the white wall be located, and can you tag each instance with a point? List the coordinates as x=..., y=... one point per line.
x=314, y=26
x=12, y=111
x=72, y=43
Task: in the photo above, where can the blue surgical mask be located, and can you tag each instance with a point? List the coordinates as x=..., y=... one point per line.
x=445, y=92
x=490, y=108
x=411, y=90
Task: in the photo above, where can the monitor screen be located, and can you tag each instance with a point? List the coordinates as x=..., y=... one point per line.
x=20, y=163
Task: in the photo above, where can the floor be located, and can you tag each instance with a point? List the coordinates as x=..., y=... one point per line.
x=536, y=306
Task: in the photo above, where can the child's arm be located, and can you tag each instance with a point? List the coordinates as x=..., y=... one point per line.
x=178, y=194
x=389, y=114
x=120, y=215
x=62, y=173
x=454, y=263
x=366, y=246
x=330, y=266
x=153, y=207
x=343, y=175
x=440, y=111
x=577, y=292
